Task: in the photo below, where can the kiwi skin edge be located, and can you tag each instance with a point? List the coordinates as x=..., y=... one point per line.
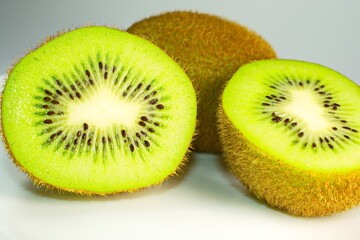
x=278, y=184
x=210, y=49
x=46, y=186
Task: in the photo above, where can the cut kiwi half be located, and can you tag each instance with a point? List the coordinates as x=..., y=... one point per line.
x=210, y=49
x=97, y=111
x=290, y=131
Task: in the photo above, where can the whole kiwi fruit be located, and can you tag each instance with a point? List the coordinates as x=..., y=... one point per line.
x=210, y=49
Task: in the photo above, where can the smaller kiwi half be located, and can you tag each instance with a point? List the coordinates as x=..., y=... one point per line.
x=290, y=131
x=98, y=111
x=210, y=49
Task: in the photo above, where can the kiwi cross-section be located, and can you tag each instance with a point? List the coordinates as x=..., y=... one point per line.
x=96, y=111
x=290, y=132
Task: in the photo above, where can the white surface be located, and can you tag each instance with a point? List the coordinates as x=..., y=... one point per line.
x=206, y=202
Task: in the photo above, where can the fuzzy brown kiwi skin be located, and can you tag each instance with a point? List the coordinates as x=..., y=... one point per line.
x=282, y=186
x=44, y=185
x=209, y=49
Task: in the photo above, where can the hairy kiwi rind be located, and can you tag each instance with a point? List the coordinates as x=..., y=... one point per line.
x=82, y=192
x=282, y=186
x=207, y=79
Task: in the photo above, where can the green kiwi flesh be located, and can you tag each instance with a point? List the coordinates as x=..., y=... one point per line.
x=290, y=133
x=97, y=110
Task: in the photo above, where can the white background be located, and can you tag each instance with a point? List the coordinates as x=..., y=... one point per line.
x=206, y=202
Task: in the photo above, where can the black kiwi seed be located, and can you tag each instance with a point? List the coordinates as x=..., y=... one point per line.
x=142, y=124
x=48, y=121
x=47, y=99
x=100, y=65
x=276, y=119
x=301, y=134
x=123, y=133
x=78, y=134
x=87, y=73
x=151, y=130
x=55, y=102
x=160, y=106
x=85, y=126
x=50, y=113
x=153, y=101
x=144, y=118
x=147, y=144
x=131, y=148
x=48, y=92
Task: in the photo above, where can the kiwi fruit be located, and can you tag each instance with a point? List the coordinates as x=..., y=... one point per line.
x=290, y=131
x=210, y=49
x=98, y=111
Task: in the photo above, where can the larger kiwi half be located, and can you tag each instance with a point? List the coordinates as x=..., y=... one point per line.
x=210, y=49
x=97, y=111
x=290, y=133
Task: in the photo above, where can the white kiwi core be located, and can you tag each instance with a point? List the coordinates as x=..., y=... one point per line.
x=305, y=106
x=104, y=109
